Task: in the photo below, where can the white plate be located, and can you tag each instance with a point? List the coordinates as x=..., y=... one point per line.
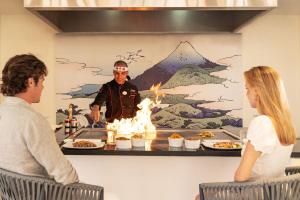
x=69, y=144
x=210, y=144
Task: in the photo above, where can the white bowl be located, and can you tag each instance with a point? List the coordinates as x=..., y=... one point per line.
x=123, y=144
x=138, y=142
x=175, y=142
x=192, y=144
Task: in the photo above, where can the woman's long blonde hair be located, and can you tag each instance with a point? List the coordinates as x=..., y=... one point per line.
x=272, y=101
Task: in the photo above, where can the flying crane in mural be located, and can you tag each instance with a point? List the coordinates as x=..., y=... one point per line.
x=198, y=92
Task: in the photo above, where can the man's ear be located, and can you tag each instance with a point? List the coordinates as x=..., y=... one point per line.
x=30, y=82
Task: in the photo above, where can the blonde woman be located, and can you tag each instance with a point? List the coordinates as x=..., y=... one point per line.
x=271, y=135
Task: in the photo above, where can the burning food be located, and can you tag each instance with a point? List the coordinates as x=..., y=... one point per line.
x=141, y=123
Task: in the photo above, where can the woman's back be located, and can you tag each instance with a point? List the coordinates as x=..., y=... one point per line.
x=274, y=157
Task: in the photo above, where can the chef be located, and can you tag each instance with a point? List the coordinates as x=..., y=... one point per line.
x=121, y=97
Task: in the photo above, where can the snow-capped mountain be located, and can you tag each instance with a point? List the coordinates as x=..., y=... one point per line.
x=184, y=54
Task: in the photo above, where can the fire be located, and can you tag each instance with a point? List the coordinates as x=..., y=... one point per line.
x=141, y=123
x=155, y=89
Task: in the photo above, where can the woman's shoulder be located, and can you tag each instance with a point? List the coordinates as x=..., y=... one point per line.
x=262, y=134
x=261, y=126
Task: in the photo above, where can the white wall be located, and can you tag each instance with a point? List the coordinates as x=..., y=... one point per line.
x=274, y=39
x=22, y=32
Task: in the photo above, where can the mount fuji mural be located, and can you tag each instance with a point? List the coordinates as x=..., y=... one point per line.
x=184, y=55
x=199, y=92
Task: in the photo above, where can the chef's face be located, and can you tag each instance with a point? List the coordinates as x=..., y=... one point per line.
x=120, y=77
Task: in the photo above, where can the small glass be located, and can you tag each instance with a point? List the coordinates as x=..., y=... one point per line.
x=111, y=137
x=243, y=135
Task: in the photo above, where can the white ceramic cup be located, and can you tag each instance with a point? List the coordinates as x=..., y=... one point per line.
x=192, y=144
x=138, y=142
x=175, y=142
x=123, y=144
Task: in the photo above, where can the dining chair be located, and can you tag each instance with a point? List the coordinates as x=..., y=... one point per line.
x=14, y=186
x=287, y=187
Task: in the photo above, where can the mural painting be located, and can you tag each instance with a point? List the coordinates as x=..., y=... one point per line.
x=199, y=92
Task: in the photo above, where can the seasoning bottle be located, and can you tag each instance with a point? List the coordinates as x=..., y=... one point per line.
x=74, y=125
x=68, y=120
x=67, y=126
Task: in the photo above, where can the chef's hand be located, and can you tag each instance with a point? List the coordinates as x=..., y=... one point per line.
x=95, y=113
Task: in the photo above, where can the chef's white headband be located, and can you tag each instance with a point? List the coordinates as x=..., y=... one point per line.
x=121, y=68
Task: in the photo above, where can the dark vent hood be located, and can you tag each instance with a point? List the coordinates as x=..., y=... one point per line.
x=148, y=16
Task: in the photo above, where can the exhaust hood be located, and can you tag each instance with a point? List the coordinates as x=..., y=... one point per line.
x=148, y=16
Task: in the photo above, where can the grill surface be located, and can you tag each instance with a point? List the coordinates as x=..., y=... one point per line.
x=161, y=134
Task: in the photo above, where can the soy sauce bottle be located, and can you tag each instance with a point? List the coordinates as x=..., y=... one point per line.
x=74, y=125
x=67, y=126
x=68, y=120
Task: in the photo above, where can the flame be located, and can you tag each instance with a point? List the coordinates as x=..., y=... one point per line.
x=141, y=123
x=155, y=89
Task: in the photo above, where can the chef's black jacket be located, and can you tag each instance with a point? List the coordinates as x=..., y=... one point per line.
x=121, y=100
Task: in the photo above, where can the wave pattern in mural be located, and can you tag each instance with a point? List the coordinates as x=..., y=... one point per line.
x=198, y=92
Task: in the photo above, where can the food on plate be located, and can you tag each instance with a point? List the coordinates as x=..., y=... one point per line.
x=175, y=136
x=122, y=138
x=206, y=134
x=84, y=143
x=227, y=145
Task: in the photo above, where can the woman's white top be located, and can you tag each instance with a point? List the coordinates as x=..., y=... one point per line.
x=275, y=157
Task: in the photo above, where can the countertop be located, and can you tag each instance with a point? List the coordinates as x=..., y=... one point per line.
x=158, y=146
